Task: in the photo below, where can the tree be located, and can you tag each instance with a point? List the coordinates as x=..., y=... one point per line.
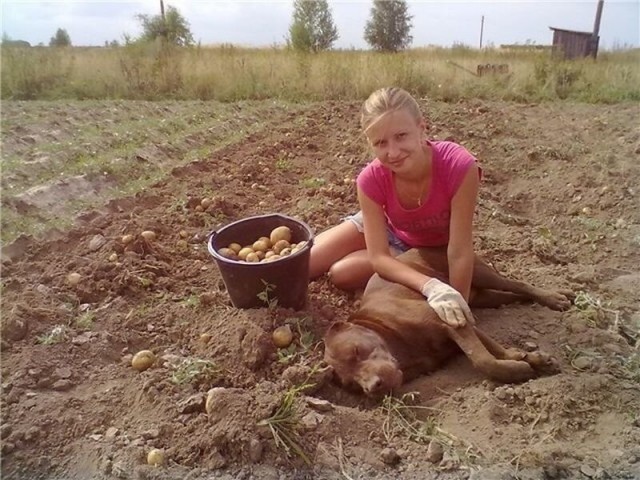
x=312, y=28
x=174, y=27
x=61, y=39
x=388, y=27
x=8, y=42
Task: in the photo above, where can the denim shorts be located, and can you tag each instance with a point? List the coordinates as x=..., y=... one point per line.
x=396, y=245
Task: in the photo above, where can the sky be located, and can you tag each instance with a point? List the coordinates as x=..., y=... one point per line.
x=265, y=23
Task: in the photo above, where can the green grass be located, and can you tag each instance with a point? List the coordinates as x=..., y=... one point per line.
x=85, y=320
x=56, y=335
x=283, y=424
x=194, y=370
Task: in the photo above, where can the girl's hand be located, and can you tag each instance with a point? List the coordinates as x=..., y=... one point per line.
x=447, y=303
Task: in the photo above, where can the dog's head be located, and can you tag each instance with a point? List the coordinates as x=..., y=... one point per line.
x=359, y=356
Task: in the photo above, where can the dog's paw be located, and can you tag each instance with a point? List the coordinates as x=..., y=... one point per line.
x=543, y=363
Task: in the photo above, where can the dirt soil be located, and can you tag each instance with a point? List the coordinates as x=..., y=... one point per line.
x=558, y=208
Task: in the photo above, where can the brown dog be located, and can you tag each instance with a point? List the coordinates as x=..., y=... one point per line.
x=396, y=336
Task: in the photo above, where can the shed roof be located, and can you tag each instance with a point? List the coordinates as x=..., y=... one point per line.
x=571, y=31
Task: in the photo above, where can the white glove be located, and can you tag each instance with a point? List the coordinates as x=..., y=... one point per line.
x=448, y=303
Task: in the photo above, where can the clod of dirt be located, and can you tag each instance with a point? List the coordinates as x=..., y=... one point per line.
x=192, y=404
x=15, y=328
x=435, y=451
x=255, y=450
x=389, y=456
x=97, y=242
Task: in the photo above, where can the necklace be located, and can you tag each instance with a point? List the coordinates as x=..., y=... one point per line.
x=421, y=194
x=410, y=194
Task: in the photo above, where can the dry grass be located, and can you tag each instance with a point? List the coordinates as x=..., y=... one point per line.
x=228, y=73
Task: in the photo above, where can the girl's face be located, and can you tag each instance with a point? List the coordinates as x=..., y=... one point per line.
x=396, y=139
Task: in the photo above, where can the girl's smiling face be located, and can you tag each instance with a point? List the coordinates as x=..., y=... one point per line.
x=396, y=139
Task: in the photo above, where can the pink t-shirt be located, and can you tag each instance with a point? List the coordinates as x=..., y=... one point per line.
x=427, y=225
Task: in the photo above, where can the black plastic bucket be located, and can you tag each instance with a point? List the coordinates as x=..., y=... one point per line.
x=254, y=285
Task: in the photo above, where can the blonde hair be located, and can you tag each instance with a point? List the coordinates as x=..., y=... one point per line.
x=386, y=100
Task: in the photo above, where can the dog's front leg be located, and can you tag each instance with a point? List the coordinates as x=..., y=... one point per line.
x=505, y=370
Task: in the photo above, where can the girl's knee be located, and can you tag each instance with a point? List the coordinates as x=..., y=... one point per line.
x=350, y=275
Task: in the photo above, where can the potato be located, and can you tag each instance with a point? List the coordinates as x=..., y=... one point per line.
x=182, y=244
x=260, y=245
x=273, y=258
x=73, y=279
x=148, y=235
x=282, y=336
x=236, y=247
x=252, y=258
x=266, y=240
x=183, y=234
x=280, y=233
x=244, y=252
x=127, y=239
x=280, y=245
x=228, y=253
x=143, y=360
x=155, y=457
x=269, y=253
x=113, y=257
x=260, y=254
x=205, y=203
x=285, y=252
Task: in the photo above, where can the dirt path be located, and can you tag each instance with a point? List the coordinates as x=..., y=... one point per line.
x=558, y=208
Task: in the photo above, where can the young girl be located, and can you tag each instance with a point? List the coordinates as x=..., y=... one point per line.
x=415, y=193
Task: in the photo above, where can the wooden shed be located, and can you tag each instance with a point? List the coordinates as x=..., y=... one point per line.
x=573, y=44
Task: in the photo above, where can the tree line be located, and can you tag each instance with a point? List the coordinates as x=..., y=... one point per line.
x=312, y=28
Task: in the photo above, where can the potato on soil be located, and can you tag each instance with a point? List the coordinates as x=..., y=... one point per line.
x=155, y=457
x=183, y=234
x=280, y=233
x=113, y=257
x=127, y=239
x=282, y=336
x=205, y=203
x=148, y=235
x=143, y=360
x=74, y=278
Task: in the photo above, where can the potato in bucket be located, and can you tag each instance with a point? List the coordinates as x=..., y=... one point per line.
x=263, y=278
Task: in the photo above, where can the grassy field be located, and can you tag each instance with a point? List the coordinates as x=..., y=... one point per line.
x=227, y=73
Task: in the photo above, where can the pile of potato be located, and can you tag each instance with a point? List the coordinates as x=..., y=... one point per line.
x=265, y=249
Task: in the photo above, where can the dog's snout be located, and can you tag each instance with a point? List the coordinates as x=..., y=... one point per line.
x=373, y=385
